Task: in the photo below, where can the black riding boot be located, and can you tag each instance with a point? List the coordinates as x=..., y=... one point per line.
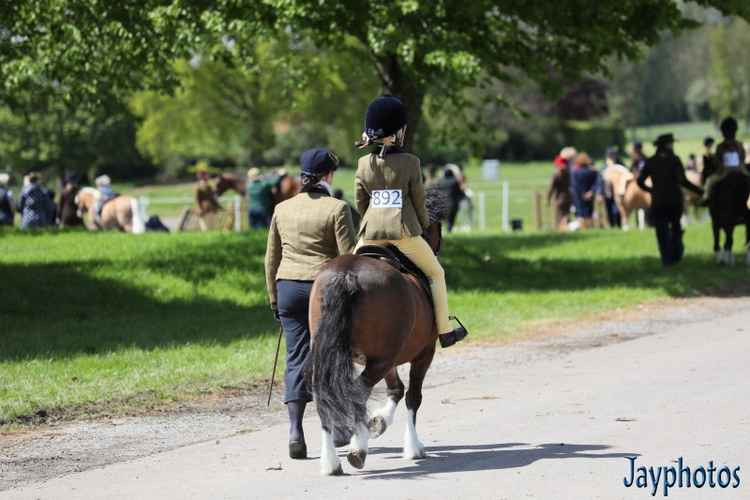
x=455, y=335
x=297, y=446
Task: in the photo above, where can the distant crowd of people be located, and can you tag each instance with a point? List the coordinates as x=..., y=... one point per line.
x=577, y=185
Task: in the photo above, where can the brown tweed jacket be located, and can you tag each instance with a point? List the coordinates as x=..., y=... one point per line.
x=399, y=171
x=306, y=232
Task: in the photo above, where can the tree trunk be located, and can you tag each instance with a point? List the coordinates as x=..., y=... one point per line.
x=396, y=82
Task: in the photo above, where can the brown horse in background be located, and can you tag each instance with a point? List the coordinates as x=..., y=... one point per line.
x=287, y=187
x=122, y=212
x=67, y=209
x=363, y=308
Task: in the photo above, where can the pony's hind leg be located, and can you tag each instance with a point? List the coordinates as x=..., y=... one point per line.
x=413, y=447
x=358, y=446
x=383, y=418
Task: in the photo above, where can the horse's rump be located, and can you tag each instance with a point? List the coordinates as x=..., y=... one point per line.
x=729, y=197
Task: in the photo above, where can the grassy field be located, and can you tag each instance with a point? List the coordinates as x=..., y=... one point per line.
x=110, y=322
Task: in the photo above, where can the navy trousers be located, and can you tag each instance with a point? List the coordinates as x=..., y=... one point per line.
x=258, y=220
x=666, y=221
x=293, y=298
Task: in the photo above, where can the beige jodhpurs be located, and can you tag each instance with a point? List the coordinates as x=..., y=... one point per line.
x=419, y=252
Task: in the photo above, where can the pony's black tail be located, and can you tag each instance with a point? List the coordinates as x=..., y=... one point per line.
x=341, y=398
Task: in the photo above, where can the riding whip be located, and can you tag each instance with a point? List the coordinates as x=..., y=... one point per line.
x=275, y=361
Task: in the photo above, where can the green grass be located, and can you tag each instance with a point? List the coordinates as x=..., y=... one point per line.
x=112, y=321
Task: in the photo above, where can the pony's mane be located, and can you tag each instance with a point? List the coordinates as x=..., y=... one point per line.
x=437, y=205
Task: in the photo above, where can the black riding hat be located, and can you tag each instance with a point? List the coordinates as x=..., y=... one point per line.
x=318, y=161
x=664, y=139
x=385, y=116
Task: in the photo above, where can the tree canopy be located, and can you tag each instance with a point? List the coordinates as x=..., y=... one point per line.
x=245, y=79
x=88, y=50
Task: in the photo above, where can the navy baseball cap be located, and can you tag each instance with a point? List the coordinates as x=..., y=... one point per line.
x=318, y=161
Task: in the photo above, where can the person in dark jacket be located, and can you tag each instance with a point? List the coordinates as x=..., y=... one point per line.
x=559, y=191
x=451, y=189
x=667, y=177
x=35, y=205
x=583, y=186
x=708, y=152
x=638, y=158
x=6, y=201
x=307, y=231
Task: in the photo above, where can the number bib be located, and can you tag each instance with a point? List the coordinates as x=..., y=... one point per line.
x=731, y=159
x=386, y=198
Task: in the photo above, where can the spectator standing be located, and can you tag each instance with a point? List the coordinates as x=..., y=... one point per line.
x=35, y=206
x=6, y=201
x=260, y=192
x=638, y=158
x=708, y=151
x=450, y=186
x=667, y=176
x=583, y=184
x=560, y=192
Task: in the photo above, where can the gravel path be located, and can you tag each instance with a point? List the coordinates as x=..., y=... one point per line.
x=52, y=452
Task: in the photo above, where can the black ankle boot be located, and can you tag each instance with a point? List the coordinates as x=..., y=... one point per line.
x=297, y=446
x=455, y=335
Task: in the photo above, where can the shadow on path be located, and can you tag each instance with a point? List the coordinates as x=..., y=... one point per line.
x=467, y=458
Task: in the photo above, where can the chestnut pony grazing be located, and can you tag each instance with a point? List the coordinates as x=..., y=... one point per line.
x=363, y=310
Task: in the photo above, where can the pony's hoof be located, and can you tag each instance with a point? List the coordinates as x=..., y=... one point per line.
x=337, y=471
x=357, y=458
x=377, y=426
x=414, y=454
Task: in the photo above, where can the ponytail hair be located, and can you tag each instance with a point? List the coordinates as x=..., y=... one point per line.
x=309, y=181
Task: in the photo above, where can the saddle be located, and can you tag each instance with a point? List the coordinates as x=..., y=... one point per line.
x=400, y=262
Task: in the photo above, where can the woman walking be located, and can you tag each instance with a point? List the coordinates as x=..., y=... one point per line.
x=306, y=232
